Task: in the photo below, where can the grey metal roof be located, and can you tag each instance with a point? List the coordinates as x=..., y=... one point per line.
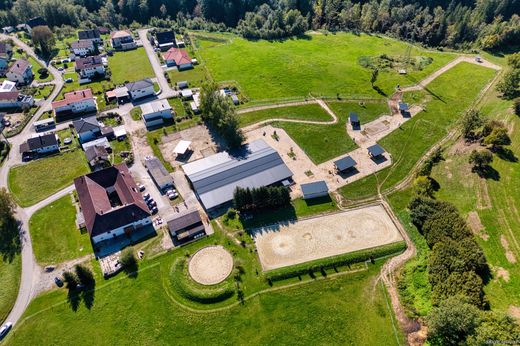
x=345, y=163
x=216, y=177
x=403, y=106
x=42, y=141
x=315, y=187
x=353, y=117
x=376, y=150
x=86, y=124
x=159, y=174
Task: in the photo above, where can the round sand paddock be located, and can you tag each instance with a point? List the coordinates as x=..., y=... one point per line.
x=210, y=265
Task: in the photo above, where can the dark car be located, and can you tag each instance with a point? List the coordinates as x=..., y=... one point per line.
x=152, y=203
x=58, y=282
x=154, y=210
x=5, y=329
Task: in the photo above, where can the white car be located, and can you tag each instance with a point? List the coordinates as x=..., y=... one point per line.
x=5, y=329
x=141, y=187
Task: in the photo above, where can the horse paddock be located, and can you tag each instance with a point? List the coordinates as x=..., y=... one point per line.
x=210, y=265
x=289, y=243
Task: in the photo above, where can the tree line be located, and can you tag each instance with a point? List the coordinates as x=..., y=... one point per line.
x=265, y=197
x=488, y=24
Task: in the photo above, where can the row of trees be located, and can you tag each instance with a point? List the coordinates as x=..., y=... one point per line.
x=10, y=244
x=266, y=197
x=220, y=115
x=492, y=24
x=509, y=86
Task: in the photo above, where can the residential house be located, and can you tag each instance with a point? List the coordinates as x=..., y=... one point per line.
x=20, y=72
x=87, y=129
x=7, y=29
x=140, y=89
x=74, y=102
x=165, y=40
x=90, y=67
x=6, y=52
x=10, y=97
x=103, y=30
x=178, y=57
x=122, y=40
x=41, y=144
x=111, y=203
x=92, y=34
x=186, y=227
x=101, y=141
x=154, y=113
x=83, y=47
x=97, y=157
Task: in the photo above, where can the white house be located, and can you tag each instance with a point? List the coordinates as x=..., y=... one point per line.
x=140, y=89
x=83, y=47
x=111, y=203
x=122, y=40
x=20, y=72
x=75, y=102
x=154, y=113
x=10, y=97
x=87, y=129
x=90, y=67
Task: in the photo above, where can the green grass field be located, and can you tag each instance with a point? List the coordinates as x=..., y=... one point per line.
x=37, y=180
x=10, y=279
x=325, y=142
x=451, y=95
x=195, y=76
x=319, y=64
x=130, y=66
x=54, y=233
x=366, y=111
x=306, y=112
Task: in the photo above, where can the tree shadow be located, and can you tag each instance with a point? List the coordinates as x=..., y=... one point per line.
x=74, y=298
x=88, y=296
x=131, y=269
x=505, y=154
x=379, y=90
x=11, y=233
x=487, y=172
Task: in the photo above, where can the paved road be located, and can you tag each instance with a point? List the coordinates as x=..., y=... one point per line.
x=167, y=91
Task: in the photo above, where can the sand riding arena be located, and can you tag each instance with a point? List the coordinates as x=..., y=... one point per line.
x=210, y=265
x=291, y=243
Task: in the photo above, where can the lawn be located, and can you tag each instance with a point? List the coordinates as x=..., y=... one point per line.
x=305, y=112
x=98, y=88
x=54, y=233
x=195, y=76
x=177, y=106
x=324, y=65
x=37, y=180
x=364, y=110
x=10, y=279
x=130, y=66
x=451, y=95
x=118, y=147
x=325, y=142
x=342, y=309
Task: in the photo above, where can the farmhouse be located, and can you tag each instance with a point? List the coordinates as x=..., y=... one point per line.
x=74, y=102
x=159, y=174
x=43, y=144
x=10, y=97
x=140, y=89
x=89, y=67
x=165, y=40
x=345, y=164
x=178, y=57
x=6, y=52
x=20, y=72
x=375, y=151
x=111, y=203
x=215, y=178
x=83, y=47
x=122, y=40
x=186, y=227
x=93, y=35
x=154, y=113
x=87, y=129
x=315, y=189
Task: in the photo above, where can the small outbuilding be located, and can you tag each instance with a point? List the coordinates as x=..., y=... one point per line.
x=345, y=164
x=354, y=119
x=182, y=84
x=119, y=132
x=182, y=148
x=187, y=94
x=235, y=99
x=403, y=107
x=186, y=227
x=159, y=174
x=375, y=150
x=315, y=189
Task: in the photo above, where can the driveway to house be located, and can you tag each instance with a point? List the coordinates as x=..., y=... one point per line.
x=167, y=91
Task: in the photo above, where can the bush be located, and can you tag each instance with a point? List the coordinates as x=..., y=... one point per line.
x=128, y=260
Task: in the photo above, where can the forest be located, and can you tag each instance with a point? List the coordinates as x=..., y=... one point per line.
x=462, y=24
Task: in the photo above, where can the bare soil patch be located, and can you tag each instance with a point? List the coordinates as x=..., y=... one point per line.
x=501, y=273
x=514, y=311
x=476, y=226
x=483, y=200
x=462, y=147
x=509, y=254
x=210, y=265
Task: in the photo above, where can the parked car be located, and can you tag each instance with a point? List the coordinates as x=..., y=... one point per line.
x=69, y=80
x=7, y=123
x=58, y=281
x=152, y=203
x=60, y=68
x=49, y=269
x=154, y=210
x=141, y=187
x=146, y=196
x=173, y=195
x=5, y=329
x=140, y=254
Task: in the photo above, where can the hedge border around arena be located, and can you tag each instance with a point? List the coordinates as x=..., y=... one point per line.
x=193, y=291
x=334, y=261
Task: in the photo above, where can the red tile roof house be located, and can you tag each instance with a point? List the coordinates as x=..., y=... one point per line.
x=20, y=72
x=74, y=102
x=111, y=203
x=178, y=57
x=89, y=67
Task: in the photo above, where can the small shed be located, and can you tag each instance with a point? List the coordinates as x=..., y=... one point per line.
x=182, y=147
x=345, y=163
x=403, y=107
x=315, y=189
x=119, y=132
x=182, y=84
x=194, y=107
x=354, y=119
x=375, y=150
x=187, y=94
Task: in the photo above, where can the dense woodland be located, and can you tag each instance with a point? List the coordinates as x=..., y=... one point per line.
x=489, y=24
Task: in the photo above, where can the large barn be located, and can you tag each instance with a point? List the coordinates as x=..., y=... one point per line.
x=216, y=177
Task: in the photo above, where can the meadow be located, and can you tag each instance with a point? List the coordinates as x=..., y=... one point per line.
x=10, y=272
x=130, y=66
x=312, y=112
x=324, y=65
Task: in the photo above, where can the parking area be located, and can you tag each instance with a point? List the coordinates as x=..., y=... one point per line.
x=289, y=243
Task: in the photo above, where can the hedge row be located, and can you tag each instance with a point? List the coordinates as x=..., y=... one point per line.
x=188, y=289
x=334, y=261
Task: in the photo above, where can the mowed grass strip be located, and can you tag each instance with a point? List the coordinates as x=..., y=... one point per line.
x=341, y=311
x=319, y=64
x=37, y=180
x=130, y=66
x=311, y=112
x=325, y=142
x=54, y=233
x=10, y=279
x=451, y=94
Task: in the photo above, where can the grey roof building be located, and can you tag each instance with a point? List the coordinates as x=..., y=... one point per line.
x=315, y=189
x=159, y=174
x=186, y=227
x=375, y=150
x=345, y=163
x=216, y=177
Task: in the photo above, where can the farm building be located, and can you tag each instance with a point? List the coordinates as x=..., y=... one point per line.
x=354, y=120
x=215, y=178
x=375, y=150
x=159, y=174
x=345, y=163
x=315, y=189
x=403, y=108
x=186, y=227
